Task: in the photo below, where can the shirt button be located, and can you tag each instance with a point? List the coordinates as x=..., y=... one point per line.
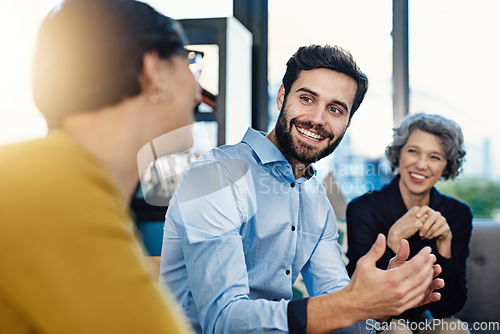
x=292, y=184
x=293, y=228
x=287, y=272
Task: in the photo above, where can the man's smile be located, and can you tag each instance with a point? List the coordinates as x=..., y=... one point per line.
x=309, y=134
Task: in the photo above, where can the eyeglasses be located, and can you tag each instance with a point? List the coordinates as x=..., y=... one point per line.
x=195, y=62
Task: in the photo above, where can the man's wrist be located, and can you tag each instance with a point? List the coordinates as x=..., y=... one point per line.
x=333, y=311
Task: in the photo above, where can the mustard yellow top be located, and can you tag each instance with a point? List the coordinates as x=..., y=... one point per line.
x=69, y=259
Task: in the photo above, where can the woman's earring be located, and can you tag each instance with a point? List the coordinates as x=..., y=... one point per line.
x=157, y=92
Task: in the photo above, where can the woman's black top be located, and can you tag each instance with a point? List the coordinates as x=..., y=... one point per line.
x=376, y=211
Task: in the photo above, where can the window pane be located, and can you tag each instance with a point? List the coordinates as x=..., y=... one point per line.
x=454, y=70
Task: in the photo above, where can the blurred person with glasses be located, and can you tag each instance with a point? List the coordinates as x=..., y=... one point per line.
x=109, y=76
x=195, y=61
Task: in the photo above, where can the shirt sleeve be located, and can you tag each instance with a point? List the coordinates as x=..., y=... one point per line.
x=297, y=316
x=325, y=272
x=208, y=221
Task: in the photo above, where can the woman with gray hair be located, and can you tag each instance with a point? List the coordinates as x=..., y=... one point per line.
x=425, y=149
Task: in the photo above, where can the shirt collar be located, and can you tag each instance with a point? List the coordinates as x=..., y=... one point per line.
x=267, y=152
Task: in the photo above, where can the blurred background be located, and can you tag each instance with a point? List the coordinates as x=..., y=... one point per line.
x=452, y=58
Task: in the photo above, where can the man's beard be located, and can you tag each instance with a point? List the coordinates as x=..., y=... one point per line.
x=301, y=152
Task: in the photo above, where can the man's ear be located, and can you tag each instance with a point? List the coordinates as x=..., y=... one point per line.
x=280, y=97
x=348, y=124
x=348, y=121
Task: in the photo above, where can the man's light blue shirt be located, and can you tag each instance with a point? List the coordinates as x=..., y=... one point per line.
x=239, y=230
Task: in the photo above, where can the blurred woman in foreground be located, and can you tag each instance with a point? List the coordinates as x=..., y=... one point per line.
x=109, y=76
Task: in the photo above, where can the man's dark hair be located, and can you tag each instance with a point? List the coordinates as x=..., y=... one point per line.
x=330, y=57
x=89, y=53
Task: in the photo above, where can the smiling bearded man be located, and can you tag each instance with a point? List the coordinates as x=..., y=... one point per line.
x=303, y=153
x=317, y=104
x=248, y=218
